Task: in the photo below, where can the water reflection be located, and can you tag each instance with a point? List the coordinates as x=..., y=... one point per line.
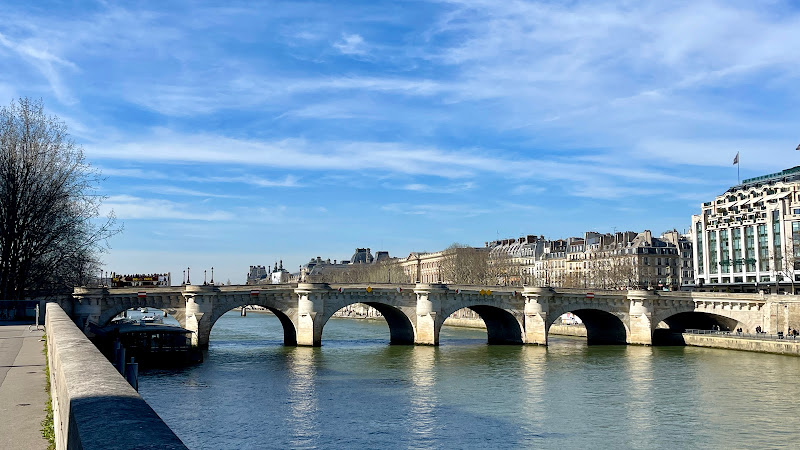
x=533, y=367
x=639, y=407
x=423, y=396
x=303, y=402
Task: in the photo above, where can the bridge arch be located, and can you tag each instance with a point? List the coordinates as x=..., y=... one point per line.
x=401, y=325
x=668, y=326
x=173, y=305
x=603, y=327
x=228, y=304
x=502, y=325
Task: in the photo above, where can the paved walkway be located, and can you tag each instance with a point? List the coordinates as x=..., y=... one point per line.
x=22, y=383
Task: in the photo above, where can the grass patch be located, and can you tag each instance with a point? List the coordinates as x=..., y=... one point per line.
x=48, y=429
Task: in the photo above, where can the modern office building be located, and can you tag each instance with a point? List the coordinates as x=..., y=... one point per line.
x=748, y=238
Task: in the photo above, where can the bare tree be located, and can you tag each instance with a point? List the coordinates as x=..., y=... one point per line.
x=382, y=272
x=501, y=268
x=787, y=263
x=50, y=238
x=465, y=265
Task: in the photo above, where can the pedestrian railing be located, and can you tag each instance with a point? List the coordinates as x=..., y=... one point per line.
x=738, y=335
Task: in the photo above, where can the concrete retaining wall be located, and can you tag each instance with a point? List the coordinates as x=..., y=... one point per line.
x=751, y=345
x=94, y=407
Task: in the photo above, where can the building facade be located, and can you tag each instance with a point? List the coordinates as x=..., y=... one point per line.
x=609, y=261
x=748, y=238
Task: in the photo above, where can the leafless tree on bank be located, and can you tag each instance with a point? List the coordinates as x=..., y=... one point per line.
x=465, y=265
x=786, y=264
x=50, y=235
x=382, y=272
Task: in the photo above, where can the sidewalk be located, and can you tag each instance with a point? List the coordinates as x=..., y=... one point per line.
x=22, y=383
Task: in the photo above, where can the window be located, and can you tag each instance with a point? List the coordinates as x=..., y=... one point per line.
x=712, y=252
x=776, y=240
x=763, y=248
x=749, y=247
x=737, y=250
x=796, y=244
x=699, y=234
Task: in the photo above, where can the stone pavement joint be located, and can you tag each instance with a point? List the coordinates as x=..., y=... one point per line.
x=22, y=387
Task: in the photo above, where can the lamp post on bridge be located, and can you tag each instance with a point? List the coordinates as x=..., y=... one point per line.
x=187, y=275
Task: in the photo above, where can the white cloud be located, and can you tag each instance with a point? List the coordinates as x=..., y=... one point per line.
x=436, y=210
x=130, y=207
x=432, y=189
x=351, y=44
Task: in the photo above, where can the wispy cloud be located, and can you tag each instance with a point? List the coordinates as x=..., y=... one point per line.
x=445, y=189
x=48, y=64
x=130, y=207
x=571, y=114
x=351, y=44
x=436, y=210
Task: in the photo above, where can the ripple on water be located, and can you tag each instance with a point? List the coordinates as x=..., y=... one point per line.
x=358, y=391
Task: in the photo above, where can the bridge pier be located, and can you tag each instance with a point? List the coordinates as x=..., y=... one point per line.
x=640, y=316
x=429, y=313
x=310, y=313
x=87, y=306
x=537, y=305
x=199, y=310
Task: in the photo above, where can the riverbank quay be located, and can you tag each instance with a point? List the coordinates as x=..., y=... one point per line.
x=94, y=407
x=22, y=386
x=763, y=343
x=557, y=329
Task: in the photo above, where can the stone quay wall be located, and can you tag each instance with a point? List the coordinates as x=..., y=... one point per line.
x=783, y=347
x=557, y=329
x=94, y=407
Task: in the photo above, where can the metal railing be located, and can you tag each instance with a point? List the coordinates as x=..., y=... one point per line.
x=735, y=334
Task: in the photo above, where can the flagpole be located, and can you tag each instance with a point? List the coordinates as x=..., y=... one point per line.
x=738, y=177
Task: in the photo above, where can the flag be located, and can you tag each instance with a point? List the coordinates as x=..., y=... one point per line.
x=736, y=160
x=798, y=147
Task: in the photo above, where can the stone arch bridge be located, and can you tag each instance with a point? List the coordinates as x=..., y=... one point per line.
x=416, y=313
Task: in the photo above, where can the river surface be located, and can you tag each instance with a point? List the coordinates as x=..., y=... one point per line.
x=356, y=391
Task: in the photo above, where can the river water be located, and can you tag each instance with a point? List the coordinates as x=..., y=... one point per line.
x=356, y=391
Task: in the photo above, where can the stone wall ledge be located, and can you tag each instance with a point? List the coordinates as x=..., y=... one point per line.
x=94, y=406
x=782, y=347
x=555, y=329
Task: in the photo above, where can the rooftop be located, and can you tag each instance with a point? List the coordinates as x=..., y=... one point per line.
x=794, y=172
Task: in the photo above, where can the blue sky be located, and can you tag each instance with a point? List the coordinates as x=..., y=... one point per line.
x=236, y=134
